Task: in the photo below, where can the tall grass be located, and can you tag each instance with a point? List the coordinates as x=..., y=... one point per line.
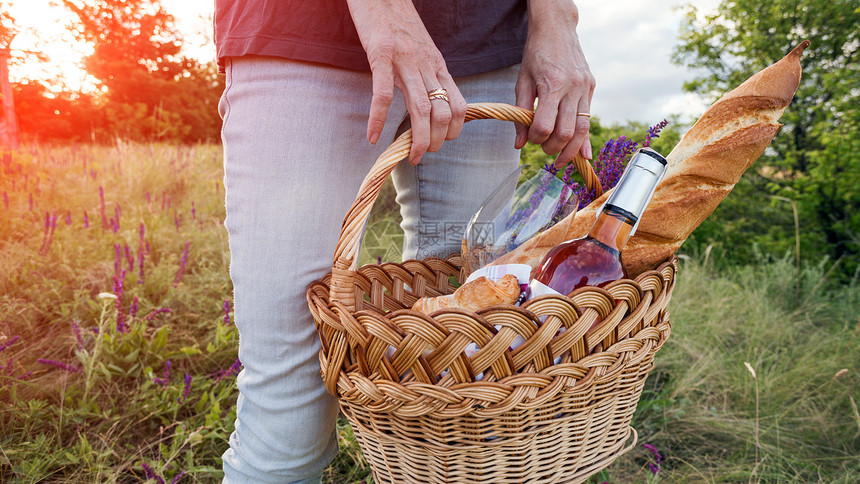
x=112, y=378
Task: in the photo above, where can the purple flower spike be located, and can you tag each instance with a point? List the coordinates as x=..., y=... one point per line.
x=128, y=256
x=118, y=282
x=165, y=376
x=182, y=263
x=232, y=371
x=150, y=474
x=9, y=343
x=654, y=132
x=132, y=312
x=186, y=392
x=654, y=467
x=60, y=365
x=226, y=312
x=177, y=477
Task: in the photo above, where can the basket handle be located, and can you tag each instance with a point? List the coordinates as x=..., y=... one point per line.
x=346, y=252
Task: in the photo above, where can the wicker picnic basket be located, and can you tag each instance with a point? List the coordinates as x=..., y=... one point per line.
x=428, y=413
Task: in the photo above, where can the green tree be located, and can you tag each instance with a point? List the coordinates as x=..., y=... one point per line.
x=152, y=92
x=813, y=161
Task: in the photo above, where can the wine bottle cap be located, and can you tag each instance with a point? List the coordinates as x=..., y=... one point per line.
x=637, y=184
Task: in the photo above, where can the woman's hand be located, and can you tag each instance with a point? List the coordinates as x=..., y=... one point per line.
x=554, y=72
x=401, y=53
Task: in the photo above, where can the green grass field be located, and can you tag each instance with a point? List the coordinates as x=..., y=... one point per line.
x=118, y=352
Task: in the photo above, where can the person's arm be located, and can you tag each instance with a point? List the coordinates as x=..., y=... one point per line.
x=555, y=72
x=401, y=53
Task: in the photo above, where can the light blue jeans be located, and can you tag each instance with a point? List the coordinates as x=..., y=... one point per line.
x=294, y=155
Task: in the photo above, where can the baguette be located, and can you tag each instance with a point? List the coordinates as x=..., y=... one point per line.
x=702, y=169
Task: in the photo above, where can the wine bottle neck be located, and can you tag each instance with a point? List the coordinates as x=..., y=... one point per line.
x=612, y=228
x=637, y=184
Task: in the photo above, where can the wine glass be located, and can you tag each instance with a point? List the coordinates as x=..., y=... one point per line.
x=514, y=213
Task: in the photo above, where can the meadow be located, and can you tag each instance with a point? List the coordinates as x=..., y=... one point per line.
x=118, y=351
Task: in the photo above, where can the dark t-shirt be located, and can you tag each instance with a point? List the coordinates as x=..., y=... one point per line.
x=474, y=36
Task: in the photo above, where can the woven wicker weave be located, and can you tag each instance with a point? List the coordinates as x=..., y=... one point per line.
x=428, y=413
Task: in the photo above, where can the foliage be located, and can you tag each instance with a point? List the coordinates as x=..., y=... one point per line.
x=148, y=91
x=813, y=161
x=67, y=116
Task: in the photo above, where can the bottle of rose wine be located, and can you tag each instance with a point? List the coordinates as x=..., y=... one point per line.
x=595, y=260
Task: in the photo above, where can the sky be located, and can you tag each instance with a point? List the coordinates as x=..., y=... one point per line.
x=628, y=44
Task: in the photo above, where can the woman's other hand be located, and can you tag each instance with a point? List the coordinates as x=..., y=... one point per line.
x=554, y=71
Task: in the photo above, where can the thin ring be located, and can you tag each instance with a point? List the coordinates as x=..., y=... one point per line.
x=584, y=114
x=439, y=95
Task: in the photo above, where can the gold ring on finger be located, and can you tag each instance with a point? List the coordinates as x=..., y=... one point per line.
x=438, y=93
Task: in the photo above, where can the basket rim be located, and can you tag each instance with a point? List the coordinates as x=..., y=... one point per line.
x=355, y=369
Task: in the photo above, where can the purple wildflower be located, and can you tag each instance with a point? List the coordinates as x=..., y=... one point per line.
x=654, y=132
x=182, y=263
x=550, y=168
x=86, y=220
x=149, y=474
x=114, y=221
x=60, y=365
x=177, y=477
x=193, y=212
x=177, y=220
x=654, y=466
x=132, y=311
x=141, y=256
x=128, y=256
x=226, y=312
x=186, y=392
x=165, y=376
x=232, y=371
x=9, y=343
